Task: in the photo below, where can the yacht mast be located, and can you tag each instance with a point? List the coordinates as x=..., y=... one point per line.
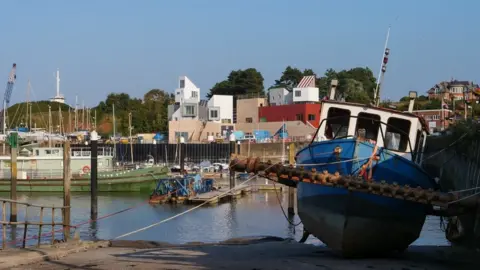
x=49, y=126
x=130, y=134
x=114, y=132
x=76, y=113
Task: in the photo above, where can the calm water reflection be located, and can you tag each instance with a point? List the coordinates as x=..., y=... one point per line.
x=253, y=215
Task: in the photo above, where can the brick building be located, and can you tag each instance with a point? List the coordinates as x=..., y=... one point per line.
x=434, y=118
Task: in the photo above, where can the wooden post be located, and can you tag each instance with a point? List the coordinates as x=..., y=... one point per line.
x=66, y=190
x=4, y=225
x=291, y=190
x=93, y=175
x=40, y=227
x=53, y=225
x=231, y=170
x=13, y=169
x=25, y=228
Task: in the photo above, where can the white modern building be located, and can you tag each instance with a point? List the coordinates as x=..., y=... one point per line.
x=187, y=99
x=305, y=91
x=279, y=96
x=195, y=119
x=220, y=109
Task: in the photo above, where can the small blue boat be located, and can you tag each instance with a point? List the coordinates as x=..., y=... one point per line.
x=377, y=144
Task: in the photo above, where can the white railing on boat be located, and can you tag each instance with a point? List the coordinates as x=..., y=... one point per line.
x=55, y=173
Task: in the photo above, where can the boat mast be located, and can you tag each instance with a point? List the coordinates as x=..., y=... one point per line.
x=76, y=114
x=381, y=72
x=59, y=119
x=130, y=134
x=114, y=132
x=49, y=126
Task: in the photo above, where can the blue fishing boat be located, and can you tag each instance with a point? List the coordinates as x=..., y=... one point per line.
x=180, y=188
x=376, y=144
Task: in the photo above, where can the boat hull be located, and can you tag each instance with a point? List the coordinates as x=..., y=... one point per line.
x=141, y=180
x=354, y=223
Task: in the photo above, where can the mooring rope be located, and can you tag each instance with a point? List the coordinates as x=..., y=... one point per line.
x=446, y=148
x=189, y=210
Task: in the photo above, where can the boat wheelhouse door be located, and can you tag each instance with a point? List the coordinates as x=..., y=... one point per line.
x=420, y=146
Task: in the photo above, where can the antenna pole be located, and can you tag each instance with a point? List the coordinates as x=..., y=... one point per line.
x=381, y=72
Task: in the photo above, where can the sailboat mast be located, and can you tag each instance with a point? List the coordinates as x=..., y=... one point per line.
x=76, y=113
x=114, y=132
x=49, y=126
x=130, y=134
x=60, y=119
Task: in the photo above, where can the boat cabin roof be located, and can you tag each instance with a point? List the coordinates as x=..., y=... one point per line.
x=394, y=130
x=386, y=110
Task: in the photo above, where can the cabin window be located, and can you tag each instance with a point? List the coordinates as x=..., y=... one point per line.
x=311, y=117
x=337, y=124
x=299, y=117
x=37, y=152
x=397, y=134
x=368, y=126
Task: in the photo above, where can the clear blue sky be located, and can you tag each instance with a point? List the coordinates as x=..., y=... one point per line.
x=133, y=46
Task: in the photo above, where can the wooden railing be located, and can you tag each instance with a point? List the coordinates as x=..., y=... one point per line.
x=26, y=223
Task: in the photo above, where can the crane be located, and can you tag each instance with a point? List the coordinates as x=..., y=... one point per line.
x=8, y=93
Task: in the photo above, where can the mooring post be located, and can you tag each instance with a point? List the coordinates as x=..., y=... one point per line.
x=67, y=177
x=181, y=147
x=93, y=175
x=232, y=155
x=291, y=190
x=13, y=140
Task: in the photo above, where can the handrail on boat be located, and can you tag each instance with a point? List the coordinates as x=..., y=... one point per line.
x=414, y=153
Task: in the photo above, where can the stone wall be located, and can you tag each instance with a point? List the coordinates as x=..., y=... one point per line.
x=269, y=151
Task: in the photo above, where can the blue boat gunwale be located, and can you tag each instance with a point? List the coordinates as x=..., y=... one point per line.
x=381, y=150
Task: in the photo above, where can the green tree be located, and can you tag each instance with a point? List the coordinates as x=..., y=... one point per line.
x=291, y=77
x=359, y=75
x=240, y=82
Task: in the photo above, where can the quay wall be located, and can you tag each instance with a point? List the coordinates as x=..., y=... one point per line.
x=457, y=166
x=269, y=151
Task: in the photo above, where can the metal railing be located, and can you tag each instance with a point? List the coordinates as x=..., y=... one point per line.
x=27, y=222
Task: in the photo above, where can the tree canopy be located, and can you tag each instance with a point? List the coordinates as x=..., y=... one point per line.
x=240, y=82
x=354, y=85
x=149, y=114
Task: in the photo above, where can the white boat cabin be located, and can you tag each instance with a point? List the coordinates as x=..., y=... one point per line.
x=400, y=132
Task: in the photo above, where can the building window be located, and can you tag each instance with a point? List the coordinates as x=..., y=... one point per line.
x=368, y=126
x=397, y=134
x=298, y=93
x=299, y=117
x=182, y=84
x=338, y=121
x=194, y=94
x=213, y=114
x=435, y=117
x=226, y=121
x=189, y=110
x=249, y=120
x=311, y=117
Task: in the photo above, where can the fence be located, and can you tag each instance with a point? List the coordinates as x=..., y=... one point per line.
x=44, y=212
x=169, y=153
x=458, y=169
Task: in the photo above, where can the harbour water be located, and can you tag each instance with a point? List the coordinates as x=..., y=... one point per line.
x=256, y=214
